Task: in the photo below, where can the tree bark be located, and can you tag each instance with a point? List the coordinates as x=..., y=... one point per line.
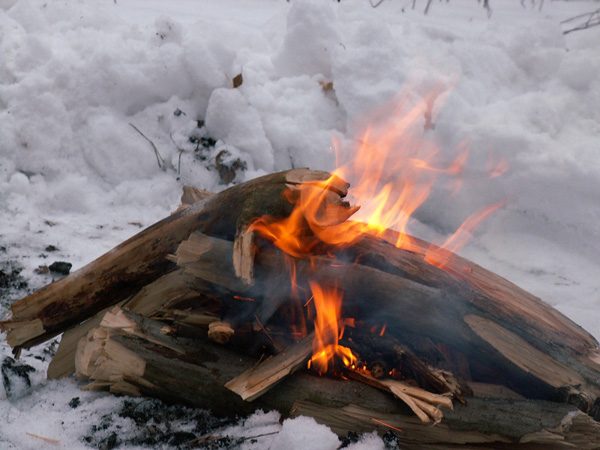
x=141, y=259
x=461, y=318
x=137, y=356
x=454, y=316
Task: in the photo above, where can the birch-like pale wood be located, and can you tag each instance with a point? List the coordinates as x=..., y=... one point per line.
x=129, y=354
x=138, y=261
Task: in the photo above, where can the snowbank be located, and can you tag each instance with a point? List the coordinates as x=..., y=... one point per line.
x=74, y=173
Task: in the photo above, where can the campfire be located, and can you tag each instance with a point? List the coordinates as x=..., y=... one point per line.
x=296, y=292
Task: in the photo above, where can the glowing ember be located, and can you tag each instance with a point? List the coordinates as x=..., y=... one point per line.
x=328, y=303
x=382, y=332
x=243, y=299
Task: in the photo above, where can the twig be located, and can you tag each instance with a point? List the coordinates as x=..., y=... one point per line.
x=593, y=19
x=264, y=330
x=43, y=438
x=578, y=16
x=487, y=7
x=245, y=438
x=159, y=159
x=180, y=150
x=427, y=7
x=211, y=437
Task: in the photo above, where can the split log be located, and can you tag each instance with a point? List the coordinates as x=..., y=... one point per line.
x=141, y=259
x=458, y=317
x=539, y=428
x=132, y=355
x=254, y=382
x=174, y=288
x=500, y=333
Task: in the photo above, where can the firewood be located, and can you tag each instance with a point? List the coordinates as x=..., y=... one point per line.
x=424, y=404
x=254, y=382
x=244, y=251
x=141, y=259
x=416, y=311
x=407, y=364
x=220, y=332
x=539, y=427
x=172, y=288
x=496, y=332
x=115, y=359
x=187, y=317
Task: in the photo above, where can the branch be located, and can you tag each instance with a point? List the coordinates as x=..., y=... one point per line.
x=588, y=20
x=159, y=159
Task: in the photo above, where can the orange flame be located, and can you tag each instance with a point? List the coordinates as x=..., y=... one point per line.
x=393, y=171
x=439, y=256
x=328, y=303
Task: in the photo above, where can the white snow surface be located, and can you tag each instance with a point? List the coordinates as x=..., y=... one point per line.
x=74, y=74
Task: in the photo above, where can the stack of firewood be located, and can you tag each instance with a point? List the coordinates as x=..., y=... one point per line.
x=196, y=309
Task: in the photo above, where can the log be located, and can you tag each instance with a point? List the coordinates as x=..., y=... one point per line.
x=457, y=317
x=171, y=289
x=141, y=259
x=491, y=425
x=132, y=355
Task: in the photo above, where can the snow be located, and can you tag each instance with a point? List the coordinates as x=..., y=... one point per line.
x=74, y=74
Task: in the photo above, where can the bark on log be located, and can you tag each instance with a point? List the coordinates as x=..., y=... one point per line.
x=141, y=259
x=462, y=313
x=459, y=317
x=134, y=356
x=174, y=288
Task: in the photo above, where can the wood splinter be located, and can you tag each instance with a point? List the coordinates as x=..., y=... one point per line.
x=254, y=382
x=426, y=405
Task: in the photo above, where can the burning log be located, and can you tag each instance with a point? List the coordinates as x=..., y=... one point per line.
x=130, y=354
x=423, y=314
x=138, y=261
x=206, y=292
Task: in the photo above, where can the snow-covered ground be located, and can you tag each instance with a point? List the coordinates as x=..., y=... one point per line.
x=74, y=74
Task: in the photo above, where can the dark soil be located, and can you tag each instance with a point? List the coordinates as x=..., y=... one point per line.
x=12, y=283
x=153, y=424
x=14, y=372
